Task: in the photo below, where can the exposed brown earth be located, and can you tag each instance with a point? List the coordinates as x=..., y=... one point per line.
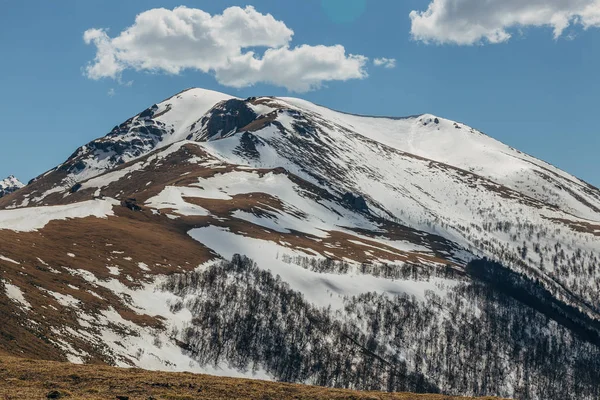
x=580, y=226
x=34, y=379
x=45, y=265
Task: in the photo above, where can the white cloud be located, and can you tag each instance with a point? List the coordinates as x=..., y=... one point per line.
x=225, y=45
x=385, y=62
x=111, y=92
x=467, y=22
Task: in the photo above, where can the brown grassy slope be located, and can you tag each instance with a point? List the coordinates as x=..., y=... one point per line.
x=30, y=379
x=120, y=241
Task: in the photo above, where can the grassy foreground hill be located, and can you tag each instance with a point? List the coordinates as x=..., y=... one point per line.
x=36, y=379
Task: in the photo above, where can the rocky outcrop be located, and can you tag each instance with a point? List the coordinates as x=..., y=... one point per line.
x=223, y=119
x=357, y=202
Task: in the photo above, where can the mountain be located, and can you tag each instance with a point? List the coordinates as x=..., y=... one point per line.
x=9, y=185
x=274, y=238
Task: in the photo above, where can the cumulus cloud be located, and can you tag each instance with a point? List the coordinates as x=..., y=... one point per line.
x=226, y=45
x=385, y=62
x=467, y=22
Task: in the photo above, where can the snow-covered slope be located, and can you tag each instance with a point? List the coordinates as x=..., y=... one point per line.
x=458, y=145
x=353, y=213
x=9, y=185
x=490, y=199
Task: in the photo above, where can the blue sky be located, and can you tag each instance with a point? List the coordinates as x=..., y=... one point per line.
x=537, y=91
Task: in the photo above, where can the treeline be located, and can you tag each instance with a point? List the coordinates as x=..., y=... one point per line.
x=533, y=294
x=472, y=340
x=404, y=271
x=566, y=255
x=563, y=258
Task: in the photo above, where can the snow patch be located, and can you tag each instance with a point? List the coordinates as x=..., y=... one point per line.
x=16, y=294
x=32, y=219
x=10, y=260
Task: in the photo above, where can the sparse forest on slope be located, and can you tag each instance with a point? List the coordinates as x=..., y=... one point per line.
x=469, y=340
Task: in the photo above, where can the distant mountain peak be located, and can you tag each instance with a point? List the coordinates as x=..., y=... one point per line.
x=9, y=185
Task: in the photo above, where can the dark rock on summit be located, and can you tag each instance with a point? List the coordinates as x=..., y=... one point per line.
x=149, y=112
x=227, y=117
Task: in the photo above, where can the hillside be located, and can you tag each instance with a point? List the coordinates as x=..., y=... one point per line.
x=34, y=379
x=276, y=239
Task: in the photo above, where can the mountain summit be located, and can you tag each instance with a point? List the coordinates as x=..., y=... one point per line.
x=275, y=238
x=9, y=185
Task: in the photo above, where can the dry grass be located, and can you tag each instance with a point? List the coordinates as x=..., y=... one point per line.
x=121, y=241
x=30, y=379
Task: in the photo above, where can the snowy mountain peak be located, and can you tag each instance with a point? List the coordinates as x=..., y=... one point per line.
x=202, y=115
x=9, y=185
x=157, y=126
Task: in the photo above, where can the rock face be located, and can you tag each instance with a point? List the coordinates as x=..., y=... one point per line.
x=357, y=203
x=412, y=254
x=9, y=185
x=157, y=126
x=223, y=120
